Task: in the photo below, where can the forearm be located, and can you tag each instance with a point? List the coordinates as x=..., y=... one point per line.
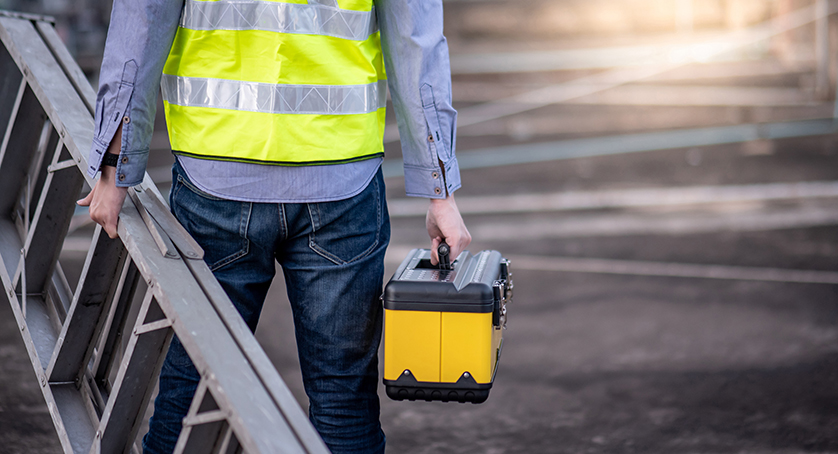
x=419, y=78
x=139, y=39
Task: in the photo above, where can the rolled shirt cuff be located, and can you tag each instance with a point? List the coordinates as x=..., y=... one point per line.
x=431, y=182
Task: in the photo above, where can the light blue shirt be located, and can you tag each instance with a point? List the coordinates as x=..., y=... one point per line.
x=415, y=51
x=248, y=182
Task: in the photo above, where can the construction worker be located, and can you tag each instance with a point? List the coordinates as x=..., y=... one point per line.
x=275, y=112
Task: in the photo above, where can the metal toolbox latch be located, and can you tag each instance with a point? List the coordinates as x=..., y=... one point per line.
x=500, y=299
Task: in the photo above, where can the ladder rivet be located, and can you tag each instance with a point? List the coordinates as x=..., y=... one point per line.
x=63, y=133
x=43, y=381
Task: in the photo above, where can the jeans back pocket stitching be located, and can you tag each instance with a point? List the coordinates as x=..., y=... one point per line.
x=181, y=183
x=337, y=260
x=232, y=258
x=315, y=224
x=244, y=223
x=323, y=253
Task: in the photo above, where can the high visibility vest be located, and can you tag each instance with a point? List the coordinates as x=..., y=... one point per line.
x=293, y=82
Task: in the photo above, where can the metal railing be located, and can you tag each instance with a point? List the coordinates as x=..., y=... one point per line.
x=97, y=347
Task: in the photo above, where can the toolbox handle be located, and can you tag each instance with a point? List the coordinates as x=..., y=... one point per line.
x=444, y=253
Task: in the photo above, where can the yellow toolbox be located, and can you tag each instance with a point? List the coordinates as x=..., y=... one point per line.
x=443, y=328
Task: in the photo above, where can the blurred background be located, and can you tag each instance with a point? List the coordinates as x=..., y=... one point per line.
x=663, y=175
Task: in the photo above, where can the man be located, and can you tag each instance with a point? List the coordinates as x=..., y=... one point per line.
x=275, y=112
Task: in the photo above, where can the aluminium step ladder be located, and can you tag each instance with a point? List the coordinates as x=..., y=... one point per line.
x=97, y=347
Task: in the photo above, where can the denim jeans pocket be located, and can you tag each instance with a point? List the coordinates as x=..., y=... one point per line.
x=348, y=230
x=218, y=225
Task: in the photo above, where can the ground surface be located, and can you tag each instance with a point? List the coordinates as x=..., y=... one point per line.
x=610, y=363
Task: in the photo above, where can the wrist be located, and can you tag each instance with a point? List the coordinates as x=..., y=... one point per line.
x=108, y=173
x=109, y=160
x=446, y=201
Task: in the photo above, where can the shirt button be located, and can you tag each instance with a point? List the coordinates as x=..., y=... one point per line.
x=126, y=120
x=435, y=175
x=430, y=138
x=122, y=178
x=125, y=159
x=438, y=191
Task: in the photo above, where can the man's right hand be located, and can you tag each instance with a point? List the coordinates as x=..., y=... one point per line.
x=444, y=222
x=105, y=201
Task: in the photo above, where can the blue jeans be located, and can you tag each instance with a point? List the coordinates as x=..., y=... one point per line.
x=332, y=256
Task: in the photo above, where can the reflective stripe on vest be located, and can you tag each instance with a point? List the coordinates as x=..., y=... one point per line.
x=273, y=98
x=276, y=83
x=311, y=19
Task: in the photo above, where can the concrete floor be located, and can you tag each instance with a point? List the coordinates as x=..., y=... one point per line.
x=608, y=363
x=605, y=363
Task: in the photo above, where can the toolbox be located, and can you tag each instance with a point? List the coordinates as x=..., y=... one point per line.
x=443, y=326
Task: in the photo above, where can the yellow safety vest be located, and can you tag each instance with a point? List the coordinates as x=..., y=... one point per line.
x=294, y=82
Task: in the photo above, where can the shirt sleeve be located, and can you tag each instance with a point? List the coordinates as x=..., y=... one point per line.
x=140, y=36
x=419, y=78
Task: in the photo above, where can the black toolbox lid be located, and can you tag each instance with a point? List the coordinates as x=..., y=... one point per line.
x=419, y=286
